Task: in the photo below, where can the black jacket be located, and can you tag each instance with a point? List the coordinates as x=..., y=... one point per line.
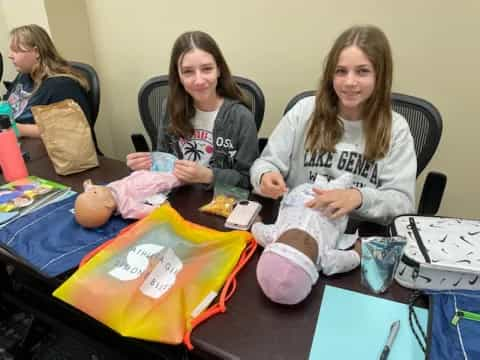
x=52, y=90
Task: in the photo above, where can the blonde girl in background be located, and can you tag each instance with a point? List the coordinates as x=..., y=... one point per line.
x=44, y=77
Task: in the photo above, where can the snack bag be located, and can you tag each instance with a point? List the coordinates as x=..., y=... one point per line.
x=380, y=259
x=224, y=199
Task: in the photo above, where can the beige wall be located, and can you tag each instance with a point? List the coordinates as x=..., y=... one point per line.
x=281, y=46
x=8, y=70
x=70, y=30
x=14, y=13
x=20, y=12
x=68, y=21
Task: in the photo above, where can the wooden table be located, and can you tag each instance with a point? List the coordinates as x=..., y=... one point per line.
x=253, y=327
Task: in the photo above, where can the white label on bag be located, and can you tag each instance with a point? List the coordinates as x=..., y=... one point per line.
x=135, y=263
x=163, y=276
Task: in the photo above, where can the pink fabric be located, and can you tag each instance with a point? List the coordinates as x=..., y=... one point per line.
x=131, y=191
x=281, y=280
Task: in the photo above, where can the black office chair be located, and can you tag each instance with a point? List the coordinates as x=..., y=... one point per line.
x=93, y=94
x=152, y=96
x=6, y=84
x=1, y=66
x=425, y=124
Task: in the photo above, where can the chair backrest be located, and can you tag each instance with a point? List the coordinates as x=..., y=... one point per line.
x=150, y=99
x=423, y=118
x=297, y=98
x=254, y=96
x=153, y=93
x=425, y=124
x=94, y=84
x=1, y=66
x=93, y=94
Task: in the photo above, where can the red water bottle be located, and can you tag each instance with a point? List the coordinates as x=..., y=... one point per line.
x=11, y=159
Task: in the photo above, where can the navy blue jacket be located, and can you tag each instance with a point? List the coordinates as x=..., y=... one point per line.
x=52, y=90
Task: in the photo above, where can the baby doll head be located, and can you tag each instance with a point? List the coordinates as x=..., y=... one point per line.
x=286, y=269
x=94, y=206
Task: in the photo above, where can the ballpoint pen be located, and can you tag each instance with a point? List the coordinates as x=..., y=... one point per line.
x=391, y=338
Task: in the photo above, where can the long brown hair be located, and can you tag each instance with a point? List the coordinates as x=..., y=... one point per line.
x=50, y=62
x=325, y=129
x=180, y=103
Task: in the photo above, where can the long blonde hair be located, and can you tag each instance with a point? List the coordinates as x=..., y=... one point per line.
x=325, y=129
x=50, y=62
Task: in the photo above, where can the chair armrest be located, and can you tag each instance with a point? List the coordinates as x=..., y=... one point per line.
x=139, y=143
x=7, y=84
x=432, y=193
x=262, y=142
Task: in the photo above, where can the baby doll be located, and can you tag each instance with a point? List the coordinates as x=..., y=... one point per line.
x=302, y=242
x=126, y=196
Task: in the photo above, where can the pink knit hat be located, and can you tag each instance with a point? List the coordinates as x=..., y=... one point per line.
x=285, y=274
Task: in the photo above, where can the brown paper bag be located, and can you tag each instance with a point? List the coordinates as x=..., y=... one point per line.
x=67, y=136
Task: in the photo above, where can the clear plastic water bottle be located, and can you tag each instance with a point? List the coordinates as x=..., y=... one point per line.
x=6, y=109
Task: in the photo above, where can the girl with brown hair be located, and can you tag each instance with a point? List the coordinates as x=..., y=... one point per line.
x=206, y=123
x=348, y=127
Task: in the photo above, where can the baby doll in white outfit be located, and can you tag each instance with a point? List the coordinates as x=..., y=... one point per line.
x=302, y=242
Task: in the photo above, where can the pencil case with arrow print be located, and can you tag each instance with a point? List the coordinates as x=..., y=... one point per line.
x=442, y=253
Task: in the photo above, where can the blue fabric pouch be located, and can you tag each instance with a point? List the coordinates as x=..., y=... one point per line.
x=454, y=325
x=52, y=241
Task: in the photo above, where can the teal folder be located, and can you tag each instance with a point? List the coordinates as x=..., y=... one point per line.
x=352, y=325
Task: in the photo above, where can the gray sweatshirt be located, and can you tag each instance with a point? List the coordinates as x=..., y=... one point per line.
x=234, y=140
x=387, y=185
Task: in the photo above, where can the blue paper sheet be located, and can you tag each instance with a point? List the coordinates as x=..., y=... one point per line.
x=352, y=325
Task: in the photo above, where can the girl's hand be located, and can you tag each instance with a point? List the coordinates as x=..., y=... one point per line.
x=192, y=172
x=335, y=203
x=139, y=161
x=272, y=185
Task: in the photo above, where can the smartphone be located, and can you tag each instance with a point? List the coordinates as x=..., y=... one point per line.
x=139, y=143
x=243, y=215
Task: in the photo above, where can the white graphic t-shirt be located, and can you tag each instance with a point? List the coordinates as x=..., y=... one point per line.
x=199, y=147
